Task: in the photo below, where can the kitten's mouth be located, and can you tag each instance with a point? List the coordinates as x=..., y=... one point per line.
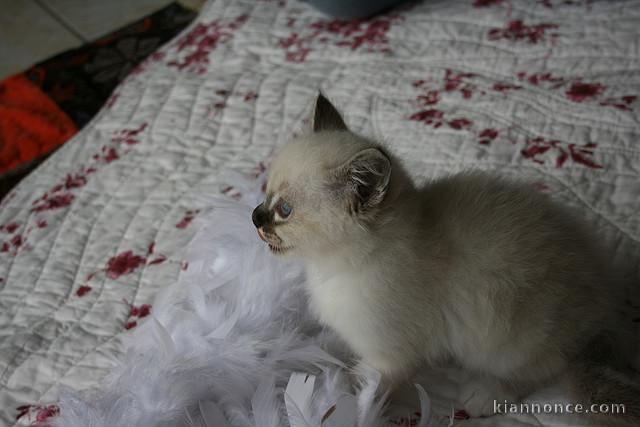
x=279, y=249
x=276, y=249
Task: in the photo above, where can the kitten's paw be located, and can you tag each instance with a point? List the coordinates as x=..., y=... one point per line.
x=478, y=398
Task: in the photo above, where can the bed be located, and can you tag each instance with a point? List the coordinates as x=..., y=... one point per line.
x=544, y=90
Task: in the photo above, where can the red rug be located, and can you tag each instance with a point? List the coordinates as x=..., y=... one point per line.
x=47, y=104
x=31, y=123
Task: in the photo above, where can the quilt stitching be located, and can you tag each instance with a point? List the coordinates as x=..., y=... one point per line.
x=254, y=61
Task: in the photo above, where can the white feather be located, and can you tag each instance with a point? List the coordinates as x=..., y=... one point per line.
x=370, y=404
x=233, y=327
x=297, y=399
x=164, y=338
x=345, y=413
x=425, y=406
x=265, y=405
x=212, y=415
x=222, y=331
x=452, y=417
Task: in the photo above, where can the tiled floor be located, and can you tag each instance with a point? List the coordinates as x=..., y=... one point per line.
x=33, y=30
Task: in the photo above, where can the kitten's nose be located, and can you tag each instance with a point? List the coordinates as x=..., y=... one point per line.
x=260, y=216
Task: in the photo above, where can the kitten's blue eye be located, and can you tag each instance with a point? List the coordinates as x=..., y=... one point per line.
x=284, y=209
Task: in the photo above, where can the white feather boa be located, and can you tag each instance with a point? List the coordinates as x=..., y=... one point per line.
x=232, y=344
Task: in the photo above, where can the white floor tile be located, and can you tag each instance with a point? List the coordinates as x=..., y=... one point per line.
x=95, y=18
x=29, y=35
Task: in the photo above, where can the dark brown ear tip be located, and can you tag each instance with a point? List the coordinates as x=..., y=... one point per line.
x=321, y=99
x=326, y=116
x=323, y=103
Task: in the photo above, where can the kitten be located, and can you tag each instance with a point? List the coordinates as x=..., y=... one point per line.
x=470, y=268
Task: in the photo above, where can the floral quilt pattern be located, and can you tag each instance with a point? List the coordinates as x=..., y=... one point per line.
x=540, y=90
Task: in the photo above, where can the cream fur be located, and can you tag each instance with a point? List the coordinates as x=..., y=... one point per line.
x=471, y=268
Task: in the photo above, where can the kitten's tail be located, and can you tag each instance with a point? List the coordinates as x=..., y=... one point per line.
x=611, y=393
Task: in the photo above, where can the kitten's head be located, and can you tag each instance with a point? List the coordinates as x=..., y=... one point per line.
x=324, y=190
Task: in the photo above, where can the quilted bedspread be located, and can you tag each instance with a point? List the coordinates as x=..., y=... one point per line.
x=546, y=90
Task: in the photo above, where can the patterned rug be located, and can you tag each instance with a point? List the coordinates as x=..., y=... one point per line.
x=44, y=106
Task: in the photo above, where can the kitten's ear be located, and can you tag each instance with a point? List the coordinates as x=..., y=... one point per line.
x=365, y=179
x=326, y=117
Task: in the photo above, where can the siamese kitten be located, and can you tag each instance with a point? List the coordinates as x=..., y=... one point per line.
x=470, y=268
